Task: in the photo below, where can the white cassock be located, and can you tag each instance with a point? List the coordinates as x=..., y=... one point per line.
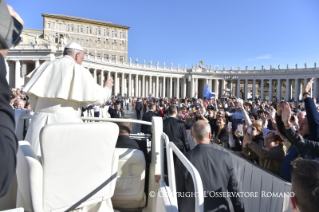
x=58, y=90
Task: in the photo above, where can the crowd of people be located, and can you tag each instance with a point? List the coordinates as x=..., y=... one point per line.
x=280, y=136
x=269, y=134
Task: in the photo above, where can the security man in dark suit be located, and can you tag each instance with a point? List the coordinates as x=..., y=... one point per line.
x=117, y=112
x=10, y=31
x=216, y=171
x=146, y=129
x=175, y=130
x=138, y=107
x=124, y=141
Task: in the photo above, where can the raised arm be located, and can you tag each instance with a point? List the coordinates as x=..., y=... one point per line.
x=302, y=144
x=246, y=116
x=295, y=139
x=265, y=154
x=312, y=113
x=280, y=124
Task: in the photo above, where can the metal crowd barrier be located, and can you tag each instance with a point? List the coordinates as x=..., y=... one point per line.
x=253, y=178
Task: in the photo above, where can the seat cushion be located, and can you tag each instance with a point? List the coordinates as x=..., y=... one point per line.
x=129, y=190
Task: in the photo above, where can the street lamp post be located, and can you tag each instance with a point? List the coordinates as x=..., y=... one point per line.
x=230, y=78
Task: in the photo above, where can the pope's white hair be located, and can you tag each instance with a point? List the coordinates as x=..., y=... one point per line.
x=70, y=52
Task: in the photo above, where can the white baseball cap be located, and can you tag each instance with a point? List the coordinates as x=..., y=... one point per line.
x=74, y=46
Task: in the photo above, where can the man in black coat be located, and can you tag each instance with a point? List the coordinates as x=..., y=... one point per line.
x=8, y=140
x=175, y=130
x=124, y=141
x=138, y=108
x=216, y=171
x=117, y=111
x=146, y=129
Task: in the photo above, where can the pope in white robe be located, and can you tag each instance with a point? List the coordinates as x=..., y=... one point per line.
x=58, y=90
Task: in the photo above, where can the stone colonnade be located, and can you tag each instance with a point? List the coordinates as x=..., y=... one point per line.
x=289, y=89
x=245, y=87
x=142, y=85
x=143, y=81
x=18, y=69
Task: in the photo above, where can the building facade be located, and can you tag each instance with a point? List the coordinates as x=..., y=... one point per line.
x=105, y=45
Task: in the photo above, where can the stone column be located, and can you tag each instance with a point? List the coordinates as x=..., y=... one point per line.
x=8, y=72
x=177, y=88
x=101, y=77
x=139, y=86
x=171, y=87
x=17, y=74
x=192, y=88
x=130, y=85
x=196, y=86
x=262, y=89
x=296, y=90
x=287, y=90
x=238, y=89
x=164, y=84
x=37, y=63
x=254, y=89
x=184, y=87
x=279, y=89
x=246, y=89
x=151, y=86
x=109, y=76
x=116, y=90
x=143, y=86
x=136, y=85
x=216, y=87
x=94, y=75
x=157, y=86
x=122, y=84
x=270, y=90
x=222, y=87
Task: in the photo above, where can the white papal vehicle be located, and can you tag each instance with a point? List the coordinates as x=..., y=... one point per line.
x=81, y=170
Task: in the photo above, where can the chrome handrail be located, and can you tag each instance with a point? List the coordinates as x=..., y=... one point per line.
x=197, y=180
x=116, y=120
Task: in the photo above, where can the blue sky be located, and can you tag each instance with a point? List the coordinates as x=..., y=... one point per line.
x=228, y=32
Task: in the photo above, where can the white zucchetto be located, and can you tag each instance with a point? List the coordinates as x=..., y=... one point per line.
x=74, y=46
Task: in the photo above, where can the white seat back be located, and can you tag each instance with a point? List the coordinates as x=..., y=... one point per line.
x=79, y=166
x=129, y=190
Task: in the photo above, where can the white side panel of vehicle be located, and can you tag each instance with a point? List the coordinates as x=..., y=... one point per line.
x=164, y=201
